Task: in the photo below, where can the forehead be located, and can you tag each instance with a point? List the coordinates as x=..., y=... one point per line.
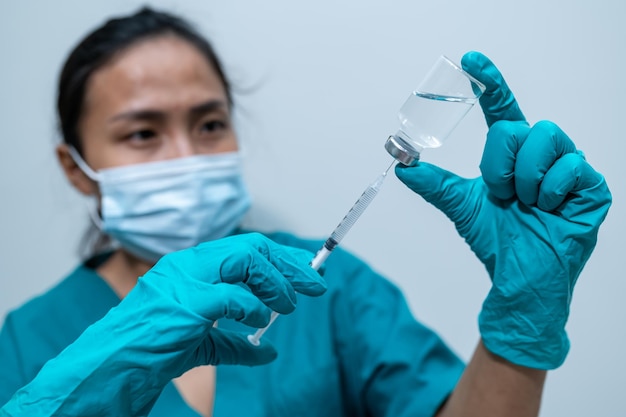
x=165, y=71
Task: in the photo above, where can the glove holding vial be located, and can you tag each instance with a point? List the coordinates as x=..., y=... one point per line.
x=532, y=219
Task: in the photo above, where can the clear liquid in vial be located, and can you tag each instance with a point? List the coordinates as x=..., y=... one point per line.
x=427, y=119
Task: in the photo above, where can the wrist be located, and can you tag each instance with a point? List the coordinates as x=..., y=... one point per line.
x=521, y=329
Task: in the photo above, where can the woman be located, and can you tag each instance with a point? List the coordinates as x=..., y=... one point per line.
x=145, y=112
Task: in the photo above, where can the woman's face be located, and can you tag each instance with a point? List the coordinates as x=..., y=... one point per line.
x=159, y=99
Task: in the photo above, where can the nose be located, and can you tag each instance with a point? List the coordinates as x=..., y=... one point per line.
x=182, y=146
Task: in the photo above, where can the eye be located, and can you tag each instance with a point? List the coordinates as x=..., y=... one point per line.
x=213, y=126
x=141, y=135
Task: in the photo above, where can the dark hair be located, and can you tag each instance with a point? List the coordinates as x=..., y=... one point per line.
x=102, y=44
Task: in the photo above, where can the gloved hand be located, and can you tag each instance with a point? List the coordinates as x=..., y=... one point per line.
x=164, y=327
x=532, y=219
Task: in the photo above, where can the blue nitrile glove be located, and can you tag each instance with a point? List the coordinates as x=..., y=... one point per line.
x=532, y=219
x=164, y=327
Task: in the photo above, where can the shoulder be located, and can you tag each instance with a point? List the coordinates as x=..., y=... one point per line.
x=61, y=300
x=42, y=305
x=42, y=327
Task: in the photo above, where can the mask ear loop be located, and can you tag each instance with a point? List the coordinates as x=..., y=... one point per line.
x=92, y=206
x=93, y=175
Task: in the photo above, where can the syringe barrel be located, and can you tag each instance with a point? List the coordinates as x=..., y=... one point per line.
x=355, y=212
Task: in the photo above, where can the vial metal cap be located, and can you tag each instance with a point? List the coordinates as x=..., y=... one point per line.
x=401, y=151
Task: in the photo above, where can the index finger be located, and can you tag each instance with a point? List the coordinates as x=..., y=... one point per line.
x=497, y=102
x=504, y=141
x=270, y=270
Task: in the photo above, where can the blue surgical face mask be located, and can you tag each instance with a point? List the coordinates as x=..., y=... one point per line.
x=156, y=208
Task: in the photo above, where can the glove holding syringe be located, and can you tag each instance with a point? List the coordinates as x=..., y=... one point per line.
x=427, y=118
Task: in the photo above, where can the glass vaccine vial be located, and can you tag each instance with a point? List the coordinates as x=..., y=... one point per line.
x=433, y=110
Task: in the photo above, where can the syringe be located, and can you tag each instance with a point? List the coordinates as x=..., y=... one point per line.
x=335, y=238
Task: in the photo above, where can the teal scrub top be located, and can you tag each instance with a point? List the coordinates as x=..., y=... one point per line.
x=355, y=351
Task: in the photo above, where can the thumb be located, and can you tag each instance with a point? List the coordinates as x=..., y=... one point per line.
x=225, y=347
x=443, y=189
x=497, y=102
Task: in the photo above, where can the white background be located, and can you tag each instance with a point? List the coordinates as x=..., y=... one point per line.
x=320, y=84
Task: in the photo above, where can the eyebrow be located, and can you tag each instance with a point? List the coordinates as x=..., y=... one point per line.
x=148, y=114
x=208, y=107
